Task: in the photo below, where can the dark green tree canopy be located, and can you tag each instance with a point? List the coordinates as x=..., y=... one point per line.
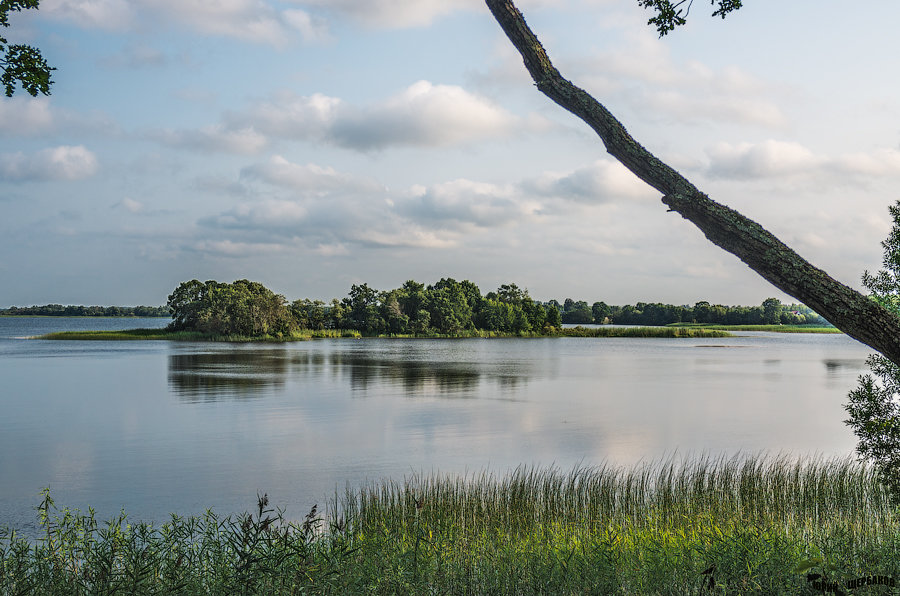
x=22, y=64
x=672, y=14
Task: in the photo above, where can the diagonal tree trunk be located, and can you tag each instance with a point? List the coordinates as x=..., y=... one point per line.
x=847, y=309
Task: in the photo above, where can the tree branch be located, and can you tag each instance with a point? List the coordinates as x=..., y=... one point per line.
x=847, y=309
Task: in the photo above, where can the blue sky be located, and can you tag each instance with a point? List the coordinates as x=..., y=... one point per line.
x=312, y=144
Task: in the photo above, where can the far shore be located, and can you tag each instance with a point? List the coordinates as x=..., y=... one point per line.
x=681, y=330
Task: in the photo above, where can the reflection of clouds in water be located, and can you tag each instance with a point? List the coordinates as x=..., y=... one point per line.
x=241, y=372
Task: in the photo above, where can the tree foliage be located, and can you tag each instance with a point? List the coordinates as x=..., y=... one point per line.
x=874, y=406
x=674, y=14
x=22, y=64
x=243, y=308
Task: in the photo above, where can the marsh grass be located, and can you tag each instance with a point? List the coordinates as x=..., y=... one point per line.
x=770, y=328
x=665, y=332
x=306, y=334
x=749, y=525
x=165, y=334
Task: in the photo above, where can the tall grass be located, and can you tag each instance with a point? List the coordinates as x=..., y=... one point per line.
x=303, y=334
x=166, y=334
x=771, y=328
x=750, y=525
x=667, y=332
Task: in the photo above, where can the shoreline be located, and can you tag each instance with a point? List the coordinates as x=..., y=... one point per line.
x=605, y=332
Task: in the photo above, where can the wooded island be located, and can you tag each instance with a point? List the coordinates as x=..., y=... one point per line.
x=447, y=307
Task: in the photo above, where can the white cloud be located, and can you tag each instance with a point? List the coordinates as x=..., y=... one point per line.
x=114, y=15
x=881, y=162
x=269, y=215
x=308, y=179
x=130, y=205
x=395, y=13
x=467, y=202
x=331, y=211
x=20, y=115
x=763, y=160
x=644, y=76
x=57, y=163
x=601, y=182
x=422, y=115
x=250, y=20
x=29, y=117
x=777, y=159
x=214, y=139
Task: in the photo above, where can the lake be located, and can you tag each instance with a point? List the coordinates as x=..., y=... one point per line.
x=157, y=427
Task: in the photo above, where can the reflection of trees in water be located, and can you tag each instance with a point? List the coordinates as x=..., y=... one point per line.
x=414, y=376
x=208, y=376
x=247, y=373
x=834, y=365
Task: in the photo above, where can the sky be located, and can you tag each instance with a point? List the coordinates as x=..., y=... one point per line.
x=314, y=144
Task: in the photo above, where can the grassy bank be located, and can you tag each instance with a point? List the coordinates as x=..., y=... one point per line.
x=740, y=526
x=137, y=334
x=771, y=328
x=675, y=332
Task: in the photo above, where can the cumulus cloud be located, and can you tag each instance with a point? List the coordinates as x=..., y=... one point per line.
x=762, y=160
x=643, y=75
x=56, y=163
x=331, y=211
x=101, y=14
x=269, y=215
x=395, y=13
x=214, y=139
x=29, y=117
x=601, y=182
x=778, y=159
x=250, y=20
x=461, y=202
x=310, y=179
x=21, y=115
x=421, y=115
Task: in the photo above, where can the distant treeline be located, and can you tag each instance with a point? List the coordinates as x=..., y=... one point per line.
x=447, y=307
x=58, y=310
x=770, y=312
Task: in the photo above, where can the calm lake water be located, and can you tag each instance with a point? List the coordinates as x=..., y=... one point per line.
x=157, y=427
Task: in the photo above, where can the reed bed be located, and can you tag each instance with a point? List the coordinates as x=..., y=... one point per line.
x=166, y=334
x=745, y=525
x=304, y=334
x=771, y=328
x=665, y=332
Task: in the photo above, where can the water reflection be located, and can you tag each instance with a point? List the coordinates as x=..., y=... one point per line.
x=837, y=365
x=208, y=376
x=252, y=373
x=414, y=377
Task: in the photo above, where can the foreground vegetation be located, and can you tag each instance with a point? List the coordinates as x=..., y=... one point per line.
x=739, y=526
